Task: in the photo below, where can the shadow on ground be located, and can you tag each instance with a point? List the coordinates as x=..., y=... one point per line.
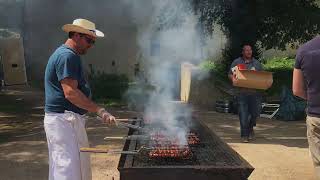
x=24, y=154
x=267, y=131
x=24, y=151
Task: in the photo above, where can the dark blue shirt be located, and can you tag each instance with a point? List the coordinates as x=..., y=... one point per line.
x=63, y=63
x=308, y=61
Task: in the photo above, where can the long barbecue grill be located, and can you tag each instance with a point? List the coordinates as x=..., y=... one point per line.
x=205, y=156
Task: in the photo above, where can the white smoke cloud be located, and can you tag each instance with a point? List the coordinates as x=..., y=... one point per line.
x=168, y=36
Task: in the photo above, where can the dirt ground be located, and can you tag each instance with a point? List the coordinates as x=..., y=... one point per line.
x=280, y=151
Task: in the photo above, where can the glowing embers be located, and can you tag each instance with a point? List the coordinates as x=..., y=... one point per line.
x=172, y=151
x=193, y=138
x=159, y=137
x=163, y=146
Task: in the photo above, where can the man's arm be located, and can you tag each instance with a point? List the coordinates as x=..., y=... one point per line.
x=231, y=74
x=76, y=97
x=259, y=66
x=232, y=77
x=298, y=86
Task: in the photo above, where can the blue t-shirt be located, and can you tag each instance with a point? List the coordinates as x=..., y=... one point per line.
x=63, y=63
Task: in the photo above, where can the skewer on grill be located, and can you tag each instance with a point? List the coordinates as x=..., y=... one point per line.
x=127, y=125
x=93, y=150
x=111, y=151
x=129, y=120
x=120, y=120
x=132, y=137
x=173, y=153
x=192, y=139
x=153, y=151
x=100, y=150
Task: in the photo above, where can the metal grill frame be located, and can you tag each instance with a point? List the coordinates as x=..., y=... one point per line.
x=171, y=172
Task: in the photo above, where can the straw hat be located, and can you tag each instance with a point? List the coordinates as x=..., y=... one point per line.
x=83, y=26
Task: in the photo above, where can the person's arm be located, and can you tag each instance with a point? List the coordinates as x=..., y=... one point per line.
x=76, y=97
x=231, y=75
x=298, y=86
x=259, y=66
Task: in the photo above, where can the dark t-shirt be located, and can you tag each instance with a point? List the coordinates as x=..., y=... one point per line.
x=253, y=64
x=249, y=65
x=308, y=60
x=63, y=63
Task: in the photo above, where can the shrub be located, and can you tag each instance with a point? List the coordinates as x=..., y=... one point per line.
x=138, y=95
x=282, y=69
x=108, y=86
x=278, y=64
x=216, y=68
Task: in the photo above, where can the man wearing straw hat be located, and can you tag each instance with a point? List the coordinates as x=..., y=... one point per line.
x=66, y=102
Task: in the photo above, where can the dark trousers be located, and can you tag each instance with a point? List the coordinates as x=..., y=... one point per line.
x=249, y=110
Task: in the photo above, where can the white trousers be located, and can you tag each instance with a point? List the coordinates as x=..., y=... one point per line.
x=65, y=135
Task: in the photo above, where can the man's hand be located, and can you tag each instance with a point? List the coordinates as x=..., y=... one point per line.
x=106, y=117
x=234, y=78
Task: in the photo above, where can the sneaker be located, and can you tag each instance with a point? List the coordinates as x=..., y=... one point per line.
x=251, y=135
x=245, y=139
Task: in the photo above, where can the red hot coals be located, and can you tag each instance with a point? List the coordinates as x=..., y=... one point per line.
x=167, y=147
x=172, y=151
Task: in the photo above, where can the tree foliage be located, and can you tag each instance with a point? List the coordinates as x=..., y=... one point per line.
x=261, y=23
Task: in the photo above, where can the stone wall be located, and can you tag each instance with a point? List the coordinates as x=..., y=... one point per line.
x=43, y=19
x=11, y=15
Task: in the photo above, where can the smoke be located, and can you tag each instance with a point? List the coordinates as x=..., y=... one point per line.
x=169, y=38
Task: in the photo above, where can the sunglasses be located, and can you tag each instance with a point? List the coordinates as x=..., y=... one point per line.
x=88, y=40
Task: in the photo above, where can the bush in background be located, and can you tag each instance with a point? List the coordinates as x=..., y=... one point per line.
x=278, y=64
x=216, y=68
x=108, y=86
x=282, y=69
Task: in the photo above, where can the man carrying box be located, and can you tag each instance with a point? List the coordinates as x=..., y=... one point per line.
x=248, y=99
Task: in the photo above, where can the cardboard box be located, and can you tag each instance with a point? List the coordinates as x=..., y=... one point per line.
x=253, y=79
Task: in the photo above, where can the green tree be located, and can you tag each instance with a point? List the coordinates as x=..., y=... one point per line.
x=261, y=23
